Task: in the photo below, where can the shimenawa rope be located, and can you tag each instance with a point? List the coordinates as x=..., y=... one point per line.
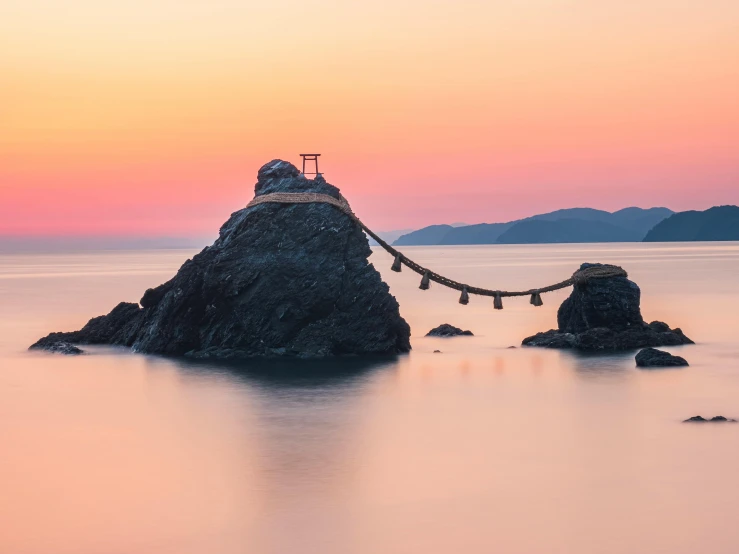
x=580, y=277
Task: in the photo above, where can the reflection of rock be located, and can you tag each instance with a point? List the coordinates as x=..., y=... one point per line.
x=651, y=357
x=58, y=347
x=717, y=419
x=603, y=313
x=281, y=280
x=446, y=330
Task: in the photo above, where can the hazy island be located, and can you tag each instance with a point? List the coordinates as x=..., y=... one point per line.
x=588, y=225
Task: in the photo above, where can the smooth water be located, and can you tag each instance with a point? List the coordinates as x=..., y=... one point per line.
x=478, y=449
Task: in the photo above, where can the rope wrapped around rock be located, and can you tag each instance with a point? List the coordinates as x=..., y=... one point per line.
x=578, y=278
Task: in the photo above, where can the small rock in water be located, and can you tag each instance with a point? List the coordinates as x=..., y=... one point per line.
x=717, y=419
x=446, y=330
x=651, y=357
x=59, y=347
x=603, y=314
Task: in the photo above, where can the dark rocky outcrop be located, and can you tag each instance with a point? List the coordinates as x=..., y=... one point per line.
x=281, y=280
x=446, y=330
x=603, y=314
x=651, y=357
x=58, y=347
x=717, y=419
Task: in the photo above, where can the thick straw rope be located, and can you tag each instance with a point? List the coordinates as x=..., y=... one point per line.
x=579, y=277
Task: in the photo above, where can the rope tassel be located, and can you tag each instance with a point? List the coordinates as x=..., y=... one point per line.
x=464, y=298
x=498, y=302
x=425, y=281
x=397, y=264
x=536, y=299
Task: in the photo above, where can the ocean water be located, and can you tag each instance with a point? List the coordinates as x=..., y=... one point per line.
x=481, y=448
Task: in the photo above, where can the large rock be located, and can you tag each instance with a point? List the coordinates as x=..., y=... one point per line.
x=603, y=313
x=281, y=280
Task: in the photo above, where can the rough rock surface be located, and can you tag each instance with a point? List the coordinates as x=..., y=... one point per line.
x=604, y=314
x=446, y=330
x=651, y=357
x=281, y=280
x=59, y=347
x=717, y=419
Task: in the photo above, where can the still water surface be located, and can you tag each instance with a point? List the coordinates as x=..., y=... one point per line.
x=478, y=449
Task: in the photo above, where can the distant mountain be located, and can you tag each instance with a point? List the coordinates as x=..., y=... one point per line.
x=537, y=231
x=389, y=236
x=717, y=223
x=432, y=234
x=568, y=225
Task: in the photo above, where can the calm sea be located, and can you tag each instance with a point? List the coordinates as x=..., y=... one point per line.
x=478, y=449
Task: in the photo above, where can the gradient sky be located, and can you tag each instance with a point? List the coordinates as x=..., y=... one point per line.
x=151, y=117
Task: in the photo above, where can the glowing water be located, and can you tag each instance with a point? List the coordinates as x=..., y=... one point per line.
x=478, y=449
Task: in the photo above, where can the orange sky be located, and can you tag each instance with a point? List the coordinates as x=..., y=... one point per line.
x=152, y=117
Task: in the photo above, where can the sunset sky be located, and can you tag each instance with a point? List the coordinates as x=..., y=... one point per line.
x=151, y=117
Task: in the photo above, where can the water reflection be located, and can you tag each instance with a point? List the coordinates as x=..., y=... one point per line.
x=282, y=374
x=599, y=366
x=479, y=448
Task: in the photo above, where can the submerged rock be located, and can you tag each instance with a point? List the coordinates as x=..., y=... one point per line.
x=604, y=314
x=717, y=419
x=58, y=347
x=651, y=357
x=281, y=280
x=446, y=330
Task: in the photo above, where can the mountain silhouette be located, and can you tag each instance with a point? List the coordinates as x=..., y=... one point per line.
x=560, y=226
x=717, y=223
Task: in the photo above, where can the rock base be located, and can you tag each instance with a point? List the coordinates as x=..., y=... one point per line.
x=605, y=339
x=58, y=347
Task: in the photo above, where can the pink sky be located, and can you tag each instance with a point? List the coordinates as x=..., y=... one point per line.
x=152, y=117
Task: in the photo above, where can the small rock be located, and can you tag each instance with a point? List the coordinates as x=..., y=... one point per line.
x=60, y=347
x=651, y=357
x=437, y=351
x=717, y=419
x=446, y=330
x=604, y=314
x=511, y=347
